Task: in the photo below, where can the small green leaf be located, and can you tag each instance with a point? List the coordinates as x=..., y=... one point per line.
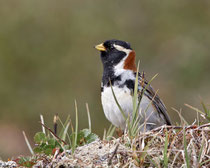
x=40, y=137
x=52, y=141
x=25, y=162
x=37, y=150
x=48, y=149
x=42, y=145
x=84, y=132
x=91, y=137
x=85, y=136
x=81, y=138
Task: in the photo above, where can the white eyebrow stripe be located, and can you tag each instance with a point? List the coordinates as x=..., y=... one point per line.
x=120, y=48
x=119, y=67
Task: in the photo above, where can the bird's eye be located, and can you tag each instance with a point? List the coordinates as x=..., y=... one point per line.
x=111, y=47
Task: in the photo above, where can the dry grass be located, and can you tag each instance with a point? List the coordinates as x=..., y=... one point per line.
x=167, y=146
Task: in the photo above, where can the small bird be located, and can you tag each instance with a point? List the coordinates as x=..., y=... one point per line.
x=119, y=72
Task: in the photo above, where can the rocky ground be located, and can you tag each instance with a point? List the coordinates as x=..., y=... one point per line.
x=165, y=145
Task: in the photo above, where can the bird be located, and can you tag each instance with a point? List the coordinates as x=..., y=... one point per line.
x=119, y=74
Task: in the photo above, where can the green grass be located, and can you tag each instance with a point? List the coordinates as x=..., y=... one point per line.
x=187, y=160
x=165, y=153
x=48, y=141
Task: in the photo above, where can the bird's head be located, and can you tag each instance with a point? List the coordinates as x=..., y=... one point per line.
x=117, y=54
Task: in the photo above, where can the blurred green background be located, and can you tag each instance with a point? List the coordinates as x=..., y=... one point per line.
x=47, y=59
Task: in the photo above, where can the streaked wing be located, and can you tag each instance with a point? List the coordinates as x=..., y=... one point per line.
x=151, y=94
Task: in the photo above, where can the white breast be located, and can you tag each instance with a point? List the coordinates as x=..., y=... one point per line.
x=123, y=95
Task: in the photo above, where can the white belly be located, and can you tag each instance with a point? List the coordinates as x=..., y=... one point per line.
x=111, y=110
x=123, y=95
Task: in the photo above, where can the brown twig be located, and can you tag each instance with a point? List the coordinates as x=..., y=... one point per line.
x=113, y=154
x=54, y=134
x=205, y=125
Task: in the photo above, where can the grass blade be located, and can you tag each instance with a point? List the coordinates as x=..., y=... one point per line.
x=144, y=154
x=65, y=132
x=104, y=134
x=110, y=132
x=207, y=111
x=135, y=95
x=152, y=161
x=193, y=108
x=165, y=157
x=115, y=98
x=42, y=121
x=201, y=150
x=183, y=121
x=89, y=119
x=28, y=144
x=64, y=127
x=76, y=129
x=185, y=150
x=205, y=162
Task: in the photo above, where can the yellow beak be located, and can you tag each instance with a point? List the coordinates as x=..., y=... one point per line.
x=100, y=47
